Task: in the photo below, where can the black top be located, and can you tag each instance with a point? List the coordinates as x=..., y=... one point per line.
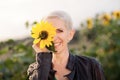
x=81, y=67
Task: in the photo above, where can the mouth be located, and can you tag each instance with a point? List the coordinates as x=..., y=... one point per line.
x=57, y=44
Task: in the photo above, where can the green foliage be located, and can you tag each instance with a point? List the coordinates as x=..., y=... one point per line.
x=3, y=50
x=15, y=66
x=103, y=42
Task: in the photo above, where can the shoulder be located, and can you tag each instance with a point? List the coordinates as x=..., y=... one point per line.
x=87, y=61
x=86, y=58
x=90, y=66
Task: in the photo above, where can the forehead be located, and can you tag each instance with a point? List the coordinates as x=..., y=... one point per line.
x=57, y=22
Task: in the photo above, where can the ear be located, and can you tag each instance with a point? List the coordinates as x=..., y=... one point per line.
x=71, y=34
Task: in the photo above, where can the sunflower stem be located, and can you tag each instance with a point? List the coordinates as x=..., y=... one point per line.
x=51, y=47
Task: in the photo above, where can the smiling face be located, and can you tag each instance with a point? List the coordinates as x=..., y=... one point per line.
x=63, y=34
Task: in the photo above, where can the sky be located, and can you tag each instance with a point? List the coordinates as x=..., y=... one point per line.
x=14, y=13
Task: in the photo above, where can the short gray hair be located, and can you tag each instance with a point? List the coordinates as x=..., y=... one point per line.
x=61, y=15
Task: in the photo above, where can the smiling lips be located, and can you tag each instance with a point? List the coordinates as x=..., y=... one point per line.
x=57, y=44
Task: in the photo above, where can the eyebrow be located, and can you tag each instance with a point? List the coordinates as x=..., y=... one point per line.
x=59, y=29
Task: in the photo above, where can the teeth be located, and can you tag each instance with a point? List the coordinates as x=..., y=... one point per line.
x=56, y=44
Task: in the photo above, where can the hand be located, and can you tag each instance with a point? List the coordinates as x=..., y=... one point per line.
x=37, y=48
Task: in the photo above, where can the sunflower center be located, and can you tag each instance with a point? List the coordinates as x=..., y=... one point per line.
x=106, y=18
x=89, y=22
x=118, y=15
x=43, y=35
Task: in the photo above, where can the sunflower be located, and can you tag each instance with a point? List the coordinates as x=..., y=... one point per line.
x=105, y=18
x=89, y=23
x=43, y=34
x=116, y=14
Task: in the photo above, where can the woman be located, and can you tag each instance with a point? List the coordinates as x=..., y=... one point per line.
x=62, y=65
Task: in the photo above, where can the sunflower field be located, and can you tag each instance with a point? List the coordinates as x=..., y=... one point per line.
x=98, y=37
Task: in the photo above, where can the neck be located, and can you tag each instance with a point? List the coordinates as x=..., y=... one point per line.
x=60, y=57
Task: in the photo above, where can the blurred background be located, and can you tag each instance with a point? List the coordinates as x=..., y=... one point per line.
x=97, y=24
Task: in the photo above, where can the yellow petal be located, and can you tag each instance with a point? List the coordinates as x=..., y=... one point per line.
x=36, y=41
x=43, y=26
x=42, y=45
x=34, y=35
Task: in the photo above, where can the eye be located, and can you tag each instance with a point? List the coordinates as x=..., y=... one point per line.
x=59, y=30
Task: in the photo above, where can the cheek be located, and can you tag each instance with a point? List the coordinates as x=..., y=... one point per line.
x=65, y=38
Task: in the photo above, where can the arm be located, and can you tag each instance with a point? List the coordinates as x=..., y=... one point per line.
x=41, y=68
